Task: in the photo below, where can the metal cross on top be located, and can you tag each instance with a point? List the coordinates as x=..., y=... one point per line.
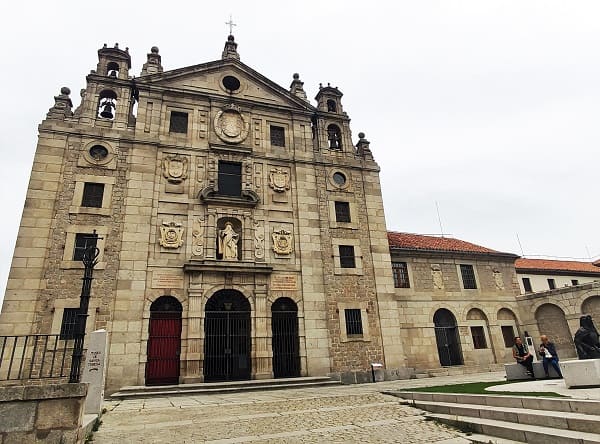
x=231, y=25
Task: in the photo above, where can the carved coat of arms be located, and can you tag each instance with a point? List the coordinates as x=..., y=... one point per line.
x=282, y=241
x=436, y=273
x=175, y=168
x=171, y=235
x=230, y=125
x=279, y=180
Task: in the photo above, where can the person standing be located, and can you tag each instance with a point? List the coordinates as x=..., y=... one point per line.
x=549, y=356
x=522, y=356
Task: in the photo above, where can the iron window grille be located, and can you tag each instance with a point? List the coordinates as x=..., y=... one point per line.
x=347, y=259
x=277, y=136
x=82, y=242
x=527, y=285
x=551, y=284
x=468, y=277
x=508, y=334
x=400, y=273
x=178, y=122
x=68, y=327
x=92, y=195
x=478, y=336
x=353, y=322
x=342, y=212
x=230, y=178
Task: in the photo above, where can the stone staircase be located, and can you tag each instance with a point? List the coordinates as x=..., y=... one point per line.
x=222, y=387
x=512, y=419
x=457, y=370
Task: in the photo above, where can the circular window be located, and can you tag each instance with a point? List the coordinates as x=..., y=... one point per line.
x=98, y=152
x=339, y=179
x=231, y=83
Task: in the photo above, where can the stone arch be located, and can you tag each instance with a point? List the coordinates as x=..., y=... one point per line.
x=476, y=313
x=447, y=337
x=591, y=306
x=334, y=137
x=107, y=104
x=215, y=289
x=506, y=314
x=552, y=322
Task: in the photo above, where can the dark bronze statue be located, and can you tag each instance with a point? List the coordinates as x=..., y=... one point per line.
x=586, y=339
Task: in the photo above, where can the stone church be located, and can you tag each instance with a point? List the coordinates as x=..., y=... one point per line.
x=240, y=227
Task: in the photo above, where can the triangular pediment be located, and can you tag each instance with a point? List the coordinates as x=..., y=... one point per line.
x=207, y=78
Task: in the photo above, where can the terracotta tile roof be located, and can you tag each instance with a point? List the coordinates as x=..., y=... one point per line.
x=421, y=242
x=554, y=265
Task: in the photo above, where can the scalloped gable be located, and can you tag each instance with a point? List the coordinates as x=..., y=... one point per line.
x=206, y=79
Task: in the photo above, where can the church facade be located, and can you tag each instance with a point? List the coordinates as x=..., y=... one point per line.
x=240, y=228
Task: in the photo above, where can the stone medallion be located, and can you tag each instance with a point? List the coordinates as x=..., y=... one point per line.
x=230, y=125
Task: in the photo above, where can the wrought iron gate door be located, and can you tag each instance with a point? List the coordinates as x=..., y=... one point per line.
x=286, y=344
x=227, y=346
x=164, y=341
x=448, y=346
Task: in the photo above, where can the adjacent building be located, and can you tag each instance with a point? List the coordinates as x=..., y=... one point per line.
x=544, y=274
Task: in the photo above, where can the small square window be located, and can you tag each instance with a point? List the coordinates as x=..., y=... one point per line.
x=277, y=136
x=342, y=212
x=508, y=334
x=92, y=195
x=400, y=272
x=574, y=281
x=478, y=337
x=347, y=259
x=178, y=123
x=230, y=178
x=82, y=242
x=468, y=277
x=527, y=285
x=551, y=284
x=68, y=327
x=353, y=322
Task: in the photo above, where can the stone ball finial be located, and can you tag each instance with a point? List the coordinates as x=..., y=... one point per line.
x=65, y=91
x=105, y=46
x=296, y=76
x=117, y=45
x=230, y=38
x=361, y=135
x=154, y=50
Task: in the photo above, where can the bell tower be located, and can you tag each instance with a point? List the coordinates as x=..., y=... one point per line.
x=332, y=122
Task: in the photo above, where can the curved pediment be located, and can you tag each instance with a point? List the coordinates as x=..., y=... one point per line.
x=209, y=195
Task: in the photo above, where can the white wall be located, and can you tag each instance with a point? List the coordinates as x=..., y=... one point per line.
x=539, y=282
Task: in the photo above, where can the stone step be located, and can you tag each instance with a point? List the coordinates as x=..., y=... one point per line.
x=221, y=387
x=559, y=420
x=531, y=434
x=478, y=438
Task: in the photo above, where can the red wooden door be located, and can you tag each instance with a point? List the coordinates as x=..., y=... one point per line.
x=164, y=345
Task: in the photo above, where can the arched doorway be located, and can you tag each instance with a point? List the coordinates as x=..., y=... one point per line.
x=591, y=306
x=286, y=343
x=164, y=342
x=552, y=322
x=446, y=336
x=227, y=340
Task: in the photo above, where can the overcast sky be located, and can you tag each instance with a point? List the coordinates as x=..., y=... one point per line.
x=489, y=108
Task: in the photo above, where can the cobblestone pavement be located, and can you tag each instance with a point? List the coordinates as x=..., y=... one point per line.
x=338, y=414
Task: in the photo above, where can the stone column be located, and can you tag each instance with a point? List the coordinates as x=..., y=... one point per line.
x=263, y=363
x=195, y=339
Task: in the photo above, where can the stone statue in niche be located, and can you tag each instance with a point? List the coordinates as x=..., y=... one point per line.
x=436, y=273
x=198, y=236
x=175, y=170
x=228, y=240
x=586, y=339
x=279, y=180
x=171, y=235
x=282, y=241
x=259, y=240
x=498, y=280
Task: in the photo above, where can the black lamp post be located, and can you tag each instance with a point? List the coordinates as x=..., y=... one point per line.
x=89, y=259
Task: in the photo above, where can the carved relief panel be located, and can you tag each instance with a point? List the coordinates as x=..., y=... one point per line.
x=436, y=274
x=171, y=235
x=198, y=228
x=175, y=170
x=283, y=242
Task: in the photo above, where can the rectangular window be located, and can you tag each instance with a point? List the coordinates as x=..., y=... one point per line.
x=82, y=242
x=574, y=281
x=478, y=337
x=68, y=326
x=342, y=212
x=92, y=195
x=508, y=334
x=551, y=284
x=353, y=322
x=178, y=123
x=347, y=259
x=277, y=136
x=468, y=277
x=230, y=178
x=527, y=285
x=400, y=272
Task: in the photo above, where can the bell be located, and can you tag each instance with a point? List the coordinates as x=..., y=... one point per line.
x=113, y=73
x=107, y=111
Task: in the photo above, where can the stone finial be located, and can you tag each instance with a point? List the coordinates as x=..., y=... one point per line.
x=297, y=87
x=362, y=147
x=62, y=105
x=230, y=50
x=153, y=63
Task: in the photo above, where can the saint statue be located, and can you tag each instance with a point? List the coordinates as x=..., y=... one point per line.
x=586, y=339
x=228, y=240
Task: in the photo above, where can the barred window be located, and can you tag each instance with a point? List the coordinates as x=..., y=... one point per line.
x=347, y=259
x=68, y=327
x=468, y=277
x=178, y=123
x=230, y=178
x=508, y=334
x=342, y=212
x=82, y=242
x=277, y=136
x=353, y=321
x=527, y=285
x=478, y=337
x=400, y=272
x=92, y=195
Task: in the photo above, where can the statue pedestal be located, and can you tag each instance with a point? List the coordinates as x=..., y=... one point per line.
x=581, y=373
